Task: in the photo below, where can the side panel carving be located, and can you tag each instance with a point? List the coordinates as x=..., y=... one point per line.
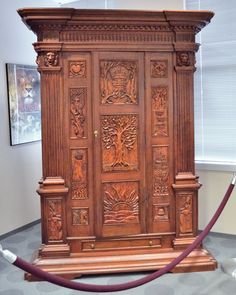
x=79, y=174
x=185, y=213
x=119, y=142
x=160, y=171
x=54, y=222
x=118, y=82
x=159, y=68
x=161, y=213
x=121, y=202
x=80, y=216
x=78, y=111
x=160, y=111
x=77, y=69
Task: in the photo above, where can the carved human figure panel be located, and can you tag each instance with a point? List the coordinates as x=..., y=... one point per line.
x=118, y=82
x=185, y=211
x=119, y=142
x=54, y=220
x=121, y=202
x=160, y=171
x=79, y=174
x=160, y=111
x=80, y=216
x=78, y=97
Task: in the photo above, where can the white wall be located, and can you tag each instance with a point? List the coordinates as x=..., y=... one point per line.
x=20, y=166
x=128, y=4
x=214, y=186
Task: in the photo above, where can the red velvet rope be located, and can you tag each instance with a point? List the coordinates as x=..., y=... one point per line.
x=37, y=272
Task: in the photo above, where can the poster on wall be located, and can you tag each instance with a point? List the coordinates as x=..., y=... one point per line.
x=23, y=83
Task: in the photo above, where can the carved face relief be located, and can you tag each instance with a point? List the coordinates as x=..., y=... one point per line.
x=118, y=82
x=121, y=203
x=183, y=59
x=119, y=142
x=51, y=59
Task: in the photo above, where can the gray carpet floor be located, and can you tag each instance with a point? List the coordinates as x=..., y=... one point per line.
x=216, y=282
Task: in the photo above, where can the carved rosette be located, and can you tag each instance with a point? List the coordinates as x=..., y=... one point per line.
x=118, y=82
x=54, y=220
x=78, y=98
x=77, y=69
x=119, y=142
x=79, y=187
x=186, y=213
x=80, y=216
x=159, y=68
x=121, y=203
x=160, y=172
x=161, y=213
x=160, y=111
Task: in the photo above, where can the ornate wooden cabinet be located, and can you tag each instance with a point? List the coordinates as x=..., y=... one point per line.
x=119, y=190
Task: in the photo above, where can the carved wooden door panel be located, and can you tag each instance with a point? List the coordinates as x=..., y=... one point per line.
x=119, y=144
x=159, y=142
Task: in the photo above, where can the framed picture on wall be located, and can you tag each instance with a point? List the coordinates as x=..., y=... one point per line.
x=23, y=83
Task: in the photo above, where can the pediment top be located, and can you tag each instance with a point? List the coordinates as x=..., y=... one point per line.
x=71, y=16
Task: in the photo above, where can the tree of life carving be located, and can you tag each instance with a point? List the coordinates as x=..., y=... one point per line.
x=119, y=138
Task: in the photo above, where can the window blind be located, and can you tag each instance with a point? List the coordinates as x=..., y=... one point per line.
x=215, y=84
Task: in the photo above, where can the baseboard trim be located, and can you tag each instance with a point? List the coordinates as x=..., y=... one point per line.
x=19, y=229
x=220, y=235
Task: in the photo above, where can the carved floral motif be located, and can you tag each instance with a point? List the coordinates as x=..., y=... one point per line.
x=183, y=59
x=160, y=111
x=160, y=171
x=118, y=82
x=160, y=212
x=79, y=191
x=51, y=59
x=159, y=68
x=185, y=211
x=77, y=69
x=54, y=223
x=80, y=216
x=121, y=203
x=119, y=141
x=79, y=174
x=78, y=112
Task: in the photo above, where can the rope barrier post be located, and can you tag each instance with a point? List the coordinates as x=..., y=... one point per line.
x=22, y=264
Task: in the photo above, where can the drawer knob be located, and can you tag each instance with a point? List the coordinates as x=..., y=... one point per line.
x=150, y=243
x=92, y=246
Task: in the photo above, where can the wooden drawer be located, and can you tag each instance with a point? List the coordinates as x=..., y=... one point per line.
x=120, y=244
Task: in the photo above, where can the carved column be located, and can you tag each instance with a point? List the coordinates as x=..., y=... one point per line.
x=186, y=183
x=52, y=190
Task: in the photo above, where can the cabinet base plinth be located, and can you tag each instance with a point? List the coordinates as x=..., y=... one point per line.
x=102, y=263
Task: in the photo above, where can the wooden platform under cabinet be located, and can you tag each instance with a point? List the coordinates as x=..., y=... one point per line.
x=119, y=190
